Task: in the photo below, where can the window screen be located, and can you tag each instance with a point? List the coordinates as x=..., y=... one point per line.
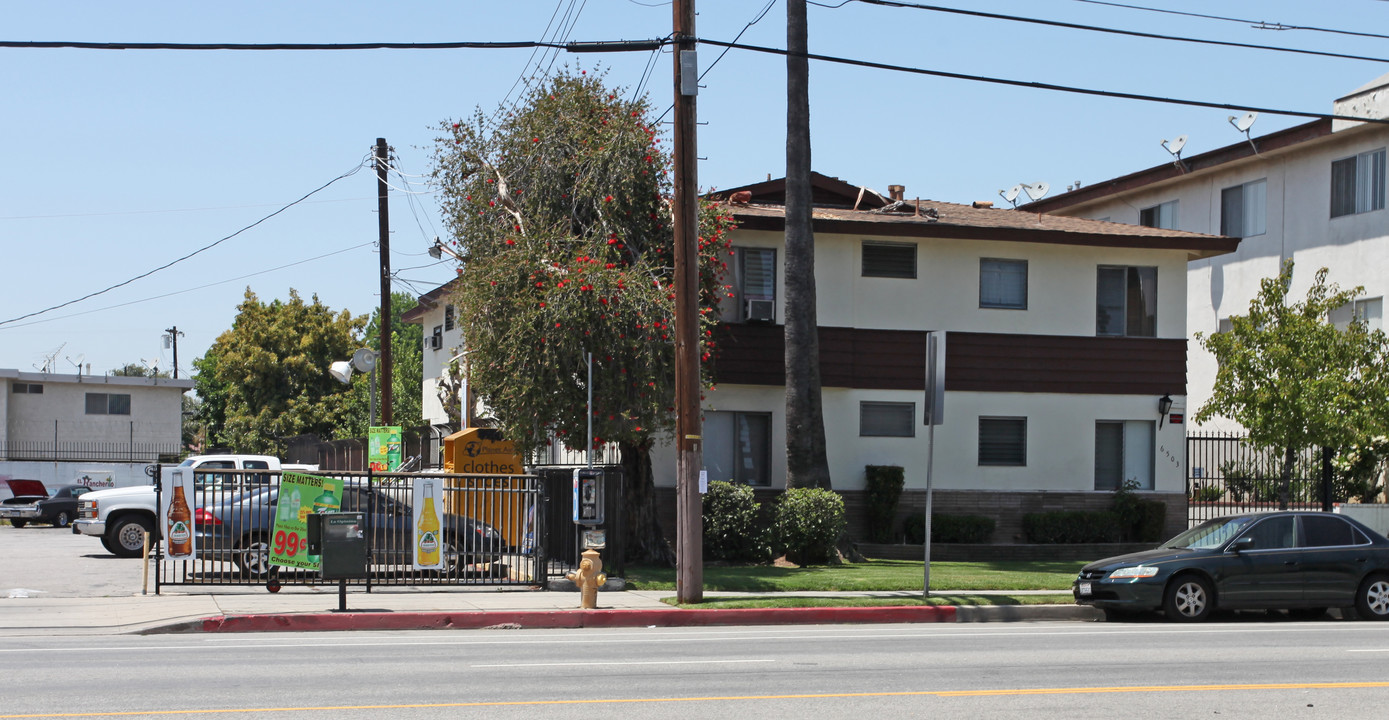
x=882, y=419
x=1003, y=441
x=889, y=260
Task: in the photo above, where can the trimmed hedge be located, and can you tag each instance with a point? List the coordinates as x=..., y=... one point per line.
x=883, y=488
x=734, y=530
x=1073, y=526
x=809, y=523
x=965, y=529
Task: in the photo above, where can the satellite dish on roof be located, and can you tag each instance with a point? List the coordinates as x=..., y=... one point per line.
x=1244, y=123
x=1036, y=191
x=1011, y=194
x=1176, y=149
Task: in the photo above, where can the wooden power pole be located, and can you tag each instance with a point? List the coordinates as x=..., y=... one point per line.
x=689, y=531
x=383, y=222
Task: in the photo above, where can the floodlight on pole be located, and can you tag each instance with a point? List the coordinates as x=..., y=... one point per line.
x=363, y=360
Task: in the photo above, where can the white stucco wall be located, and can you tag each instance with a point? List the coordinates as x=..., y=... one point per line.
x=435, y=362
x=156, y=407
x=1354, y=248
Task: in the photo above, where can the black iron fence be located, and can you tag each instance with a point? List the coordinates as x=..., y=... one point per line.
x=492, y=534
x=1227, y=474
x=65, y=450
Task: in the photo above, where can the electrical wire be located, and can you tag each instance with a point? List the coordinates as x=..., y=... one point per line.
x=204, y=248
x=189, y=290
x=750, y=23
x=1256, y=24
x=1115, y=31
x=1047, y=86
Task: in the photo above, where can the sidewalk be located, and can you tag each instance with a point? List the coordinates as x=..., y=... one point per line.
x=300, y=609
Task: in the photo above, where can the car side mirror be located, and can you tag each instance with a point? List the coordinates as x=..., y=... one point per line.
x=1242, y=544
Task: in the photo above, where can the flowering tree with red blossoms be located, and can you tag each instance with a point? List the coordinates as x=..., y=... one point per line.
x=562, y=211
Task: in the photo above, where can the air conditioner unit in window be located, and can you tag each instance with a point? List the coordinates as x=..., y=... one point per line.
x=434, y=342
x=761, y=311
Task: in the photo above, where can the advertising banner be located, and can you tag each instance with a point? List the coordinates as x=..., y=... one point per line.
x=300, y=495
x=175, y=514
x=383, y=448
x=428, y=521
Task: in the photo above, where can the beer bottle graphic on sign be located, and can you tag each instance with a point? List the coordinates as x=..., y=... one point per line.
x=180, y=525
x=428, y=529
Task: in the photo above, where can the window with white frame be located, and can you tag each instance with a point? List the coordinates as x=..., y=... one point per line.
x=1123, y=452
x=889, y=259
x=108, y=403
x=886, y=419
x=1126, y=301
x=738, y=447
x=1003, y=441
x=1357, y=184
x=1002, y=283
x=755, y=279
x=1163, y=215
x=1244, y=210
x=1367, y=310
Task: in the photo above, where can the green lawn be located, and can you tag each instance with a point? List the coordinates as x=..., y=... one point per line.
x=873, y=575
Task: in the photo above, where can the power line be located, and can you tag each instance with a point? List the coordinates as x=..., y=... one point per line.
x=1114, y=31
x=1256, y=24
x=204, y=248
x=192, y=289
x=1046, y=86
x=462, y=45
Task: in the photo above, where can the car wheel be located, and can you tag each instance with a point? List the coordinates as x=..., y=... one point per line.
x=253, y=556
x=128, y=536
x=1372, y=600
x=1313, y=613
x=62, y=519
x=106, y=543
x=1188, y=599
x=19, y=523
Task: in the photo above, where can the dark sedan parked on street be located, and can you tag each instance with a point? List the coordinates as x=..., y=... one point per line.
x=1302, y=562
x=56, y=508
x=239, y=530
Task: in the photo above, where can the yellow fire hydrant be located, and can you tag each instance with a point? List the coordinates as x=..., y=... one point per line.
x=588, y=577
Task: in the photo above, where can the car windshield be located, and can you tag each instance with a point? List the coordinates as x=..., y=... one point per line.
x=1210, y=534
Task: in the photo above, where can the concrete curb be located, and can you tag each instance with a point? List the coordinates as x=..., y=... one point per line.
x=551, y=619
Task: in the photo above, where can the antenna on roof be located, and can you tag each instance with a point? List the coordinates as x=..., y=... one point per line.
x=1036, y=191
x=1176, y=149
x=1243, y=124
x=1011, y=195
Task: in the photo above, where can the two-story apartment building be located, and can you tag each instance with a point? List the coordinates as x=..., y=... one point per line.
x=58, y=427
x=1313, y=193
x=1062, y=336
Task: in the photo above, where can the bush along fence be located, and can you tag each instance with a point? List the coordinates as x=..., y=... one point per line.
x=1227, y=474
x=805, y=524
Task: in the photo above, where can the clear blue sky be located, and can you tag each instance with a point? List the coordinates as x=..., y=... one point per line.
x=119, y=162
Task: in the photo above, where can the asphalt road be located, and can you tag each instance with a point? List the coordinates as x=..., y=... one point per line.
x=1044, y=670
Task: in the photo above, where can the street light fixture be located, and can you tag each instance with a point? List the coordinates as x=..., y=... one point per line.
x=363, y=360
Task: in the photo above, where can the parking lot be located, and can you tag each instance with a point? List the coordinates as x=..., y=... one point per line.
x=43, y=561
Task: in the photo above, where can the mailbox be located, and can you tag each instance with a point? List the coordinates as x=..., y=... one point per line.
x=588, y=496
x=339, y=538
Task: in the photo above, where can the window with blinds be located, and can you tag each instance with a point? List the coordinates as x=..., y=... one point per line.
x=889, y=260
x=1003, y=441
x=886, y=419
x=1003, y=283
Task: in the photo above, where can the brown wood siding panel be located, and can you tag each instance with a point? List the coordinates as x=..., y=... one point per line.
x=975, y=362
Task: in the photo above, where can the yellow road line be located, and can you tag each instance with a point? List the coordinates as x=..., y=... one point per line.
x=728, y=698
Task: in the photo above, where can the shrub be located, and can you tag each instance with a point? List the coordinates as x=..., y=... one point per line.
x=1206, y=493
x=1140, y=520
x=733, y=528
x=883, y=489
x=1072, y=526
x=969, y=529
x=809, y=523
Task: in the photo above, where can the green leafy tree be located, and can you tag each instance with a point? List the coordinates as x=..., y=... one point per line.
x=266, y=379
x=562, y=210
x=407, y=374
x=1292, y=378
x=139, y=370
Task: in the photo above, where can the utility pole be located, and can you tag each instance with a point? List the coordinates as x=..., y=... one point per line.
x=172, y=336
x=383, y=221
x=689, y=530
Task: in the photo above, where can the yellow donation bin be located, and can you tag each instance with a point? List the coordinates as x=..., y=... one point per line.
x=497, y=501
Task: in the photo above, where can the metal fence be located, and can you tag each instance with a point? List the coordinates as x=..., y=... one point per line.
x=64, y=450
x=492, y=535
x=1227, y=474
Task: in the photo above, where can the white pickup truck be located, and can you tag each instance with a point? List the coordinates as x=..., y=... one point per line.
x=122, y=516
